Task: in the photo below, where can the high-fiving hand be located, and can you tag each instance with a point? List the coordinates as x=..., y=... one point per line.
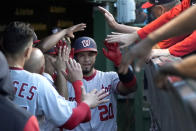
x=75, y=28
x=94, y=98
x=113, y=53
x=74, y=71
x=108, y=16
x=125, y=39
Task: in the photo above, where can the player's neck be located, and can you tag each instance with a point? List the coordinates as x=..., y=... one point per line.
x=14, y=62
x=90, y=73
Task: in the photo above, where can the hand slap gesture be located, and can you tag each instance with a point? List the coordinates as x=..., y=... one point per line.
x=108, y=16
x=94, y=98
x=63, y=56
x=125, y=39
x=74, y=71
x=75, y=28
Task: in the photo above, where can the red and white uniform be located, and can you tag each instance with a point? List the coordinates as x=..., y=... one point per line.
x=103, y=117
x=35, y=93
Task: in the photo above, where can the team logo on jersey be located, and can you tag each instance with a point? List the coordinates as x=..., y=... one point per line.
x=107, y=88
x=86, y=43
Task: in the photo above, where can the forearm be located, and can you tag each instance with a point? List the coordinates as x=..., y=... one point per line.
x=184, y=23
x=127, y=83
x=50, y=41
x=61, y=85
x=185, y=68
x=125, y=28
x=168, y=69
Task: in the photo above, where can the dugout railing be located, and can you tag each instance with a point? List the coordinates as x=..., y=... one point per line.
x=172, y=108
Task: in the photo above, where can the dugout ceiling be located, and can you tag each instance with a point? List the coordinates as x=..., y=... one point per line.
x=46, y=14
x=43, y=15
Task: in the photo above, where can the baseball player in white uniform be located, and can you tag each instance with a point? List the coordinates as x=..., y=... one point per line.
x=103, y=116
x=34, y=92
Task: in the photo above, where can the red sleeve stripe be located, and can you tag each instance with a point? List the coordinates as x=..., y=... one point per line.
x=79, y=114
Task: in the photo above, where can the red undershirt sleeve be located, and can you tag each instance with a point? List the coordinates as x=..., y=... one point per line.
x=77, y=85
x=171, y=41
x=79, y=115
x=184, y=47
x=32, y=124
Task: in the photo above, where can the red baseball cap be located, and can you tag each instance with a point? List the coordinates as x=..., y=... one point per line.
x=152, y=3
x=147, y=5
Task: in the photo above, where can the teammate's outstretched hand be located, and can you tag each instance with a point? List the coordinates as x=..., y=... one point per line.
x=113, y=53
x=63, y=56
x=108, y=16
x=75, y=28
x=125, y=39
x=74, y=71
x=94, y=98
x=138, y=52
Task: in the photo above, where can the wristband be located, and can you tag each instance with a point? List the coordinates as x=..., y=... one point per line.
x=128, y=79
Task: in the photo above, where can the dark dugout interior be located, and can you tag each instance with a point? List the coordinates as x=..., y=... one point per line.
x=47, y=14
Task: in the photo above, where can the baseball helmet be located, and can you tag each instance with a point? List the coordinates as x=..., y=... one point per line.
x=84, y=43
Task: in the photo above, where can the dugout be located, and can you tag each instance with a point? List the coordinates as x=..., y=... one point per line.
x=149, y=108
x=43, y=15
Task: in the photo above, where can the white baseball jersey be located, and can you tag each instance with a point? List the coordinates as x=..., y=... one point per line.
x=48, y=77
x=103, y=117
x=35, y=93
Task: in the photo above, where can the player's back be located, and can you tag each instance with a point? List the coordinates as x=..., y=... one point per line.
x=13, y=118
x=36, y=94
x=26, y=88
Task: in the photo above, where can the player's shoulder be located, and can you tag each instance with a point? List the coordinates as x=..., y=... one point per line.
x=43, y=83
x=35, y=77
x=48, y=77
x=107, y=74
x=38, y=77
x=41, y=79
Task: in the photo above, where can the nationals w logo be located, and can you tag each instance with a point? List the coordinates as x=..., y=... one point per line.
x=86, y=43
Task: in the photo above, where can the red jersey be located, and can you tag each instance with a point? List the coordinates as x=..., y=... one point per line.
x=185, y=47
x=163, y=19
x=178, y=46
